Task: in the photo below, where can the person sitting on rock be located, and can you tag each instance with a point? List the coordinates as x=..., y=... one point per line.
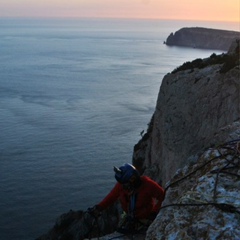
x=140, y=198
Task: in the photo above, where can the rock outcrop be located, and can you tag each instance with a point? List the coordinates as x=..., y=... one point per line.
x=192, y=147
x=79, y=225
x=206, y=38
x=203, y=200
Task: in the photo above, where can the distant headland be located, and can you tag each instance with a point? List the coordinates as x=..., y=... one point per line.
x=205, y=38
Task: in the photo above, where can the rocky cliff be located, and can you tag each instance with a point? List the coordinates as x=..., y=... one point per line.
x=197, y=125
x=202, y=38
x=196, y=108
x=192, y=147
x=202, y=200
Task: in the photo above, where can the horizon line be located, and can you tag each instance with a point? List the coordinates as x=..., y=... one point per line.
x=116, y=18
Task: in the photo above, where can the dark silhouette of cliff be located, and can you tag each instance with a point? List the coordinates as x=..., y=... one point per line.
x=205, y=38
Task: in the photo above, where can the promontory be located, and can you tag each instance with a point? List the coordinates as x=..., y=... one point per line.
x=205, y=38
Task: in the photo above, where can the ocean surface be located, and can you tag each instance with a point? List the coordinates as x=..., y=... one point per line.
x=74, y=96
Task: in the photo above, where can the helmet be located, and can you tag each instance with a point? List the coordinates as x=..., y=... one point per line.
x=125, y=172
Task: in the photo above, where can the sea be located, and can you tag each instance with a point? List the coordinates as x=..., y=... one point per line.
x=75, y=94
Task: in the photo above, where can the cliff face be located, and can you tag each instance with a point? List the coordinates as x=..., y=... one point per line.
x=196, y=108
x=202, y=38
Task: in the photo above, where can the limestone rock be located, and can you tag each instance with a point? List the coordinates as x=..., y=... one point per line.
x=202, y=201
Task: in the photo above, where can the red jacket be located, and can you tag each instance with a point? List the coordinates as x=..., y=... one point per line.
x=149, y=197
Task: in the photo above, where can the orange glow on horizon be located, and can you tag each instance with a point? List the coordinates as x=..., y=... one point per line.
x=204, y=10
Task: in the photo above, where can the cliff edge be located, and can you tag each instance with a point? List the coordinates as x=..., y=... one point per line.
x=197, y=106
x=205, y=38
x=192, y=147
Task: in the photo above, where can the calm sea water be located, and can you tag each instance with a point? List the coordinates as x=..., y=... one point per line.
x=74, y=97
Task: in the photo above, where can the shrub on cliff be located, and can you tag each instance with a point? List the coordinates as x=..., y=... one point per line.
x=228, y=61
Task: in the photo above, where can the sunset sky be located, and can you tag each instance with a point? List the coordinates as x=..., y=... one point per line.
x=216, y=10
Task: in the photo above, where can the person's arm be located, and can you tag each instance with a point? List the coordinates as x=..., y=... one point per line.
x=110, y=198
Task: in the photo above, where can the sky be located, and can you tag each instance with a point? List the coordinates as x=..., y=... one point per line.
x=206, y=10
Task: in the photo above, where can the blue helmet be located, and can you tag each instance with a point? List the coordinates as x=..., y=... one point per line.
x=125, y=172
